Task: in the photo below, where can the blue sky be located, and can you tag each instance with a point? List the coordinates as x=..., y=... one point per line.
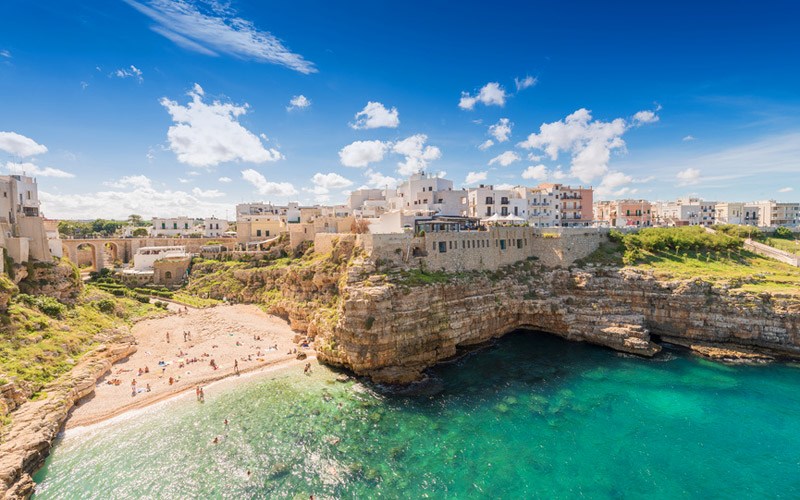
x=183, y=107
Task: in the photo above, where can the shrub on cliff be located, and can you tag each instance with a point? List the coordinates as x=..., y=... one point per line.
x=47, y=305
x=677, y=239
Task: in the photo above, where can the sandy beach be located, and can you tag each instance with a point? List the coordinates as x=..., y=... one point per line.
x=235, y=337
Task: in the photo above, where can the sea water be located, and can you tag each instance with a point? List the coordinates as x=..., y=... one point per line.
x=532, y=416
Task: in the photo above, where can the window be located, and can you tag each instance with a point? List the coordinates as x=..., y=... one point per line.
x=168, y=275
x=258, y=232
x=163, y=225
x=174, y=225
x=186, y=225
x=519, y=243
x=502, y=244
x=442, y=247
x=489, y=200
x=267, y=233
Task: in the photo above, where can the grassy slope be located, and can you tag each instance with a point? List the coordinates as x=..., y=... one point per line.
x=36, y=348
x=791, y=246
x=737, y=268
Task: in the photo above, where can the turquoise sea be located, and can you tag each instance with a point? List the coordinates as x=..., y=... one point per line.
x=533, y=416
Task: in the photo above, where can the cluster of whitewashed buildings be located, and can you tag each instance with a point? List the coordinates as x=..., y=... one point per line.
x=422, y=201
x=695, y=212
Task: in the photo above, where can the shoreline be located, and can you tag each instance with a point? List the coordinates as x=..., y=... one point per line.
x=72, y=425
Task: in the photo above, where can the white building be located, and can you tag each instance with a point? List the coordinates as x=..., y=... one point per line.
x=772, y=213
x=145, y=257
x=214, y=228
x=172, y=226
x=432, y=194
x=685, y=212
x=22, y=230
x=737, y=213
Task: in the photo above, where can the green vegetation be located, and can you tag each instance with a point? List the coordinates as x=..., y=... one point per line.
x=193, y=301
x=41, y=338
x=417, y=277
x=784, y=232
x=98, y=227
x=791, y=246
x=690, y=252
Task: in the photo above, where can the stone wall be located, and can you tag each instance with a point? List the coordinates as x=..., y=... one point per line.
x=170, y=272
x=324, y=242
x=483, y=250
x=771, y=252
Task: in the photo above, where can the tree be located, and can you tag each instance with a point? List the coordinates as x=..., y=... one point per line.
x=140, y=232
x=784, y=232
x=136, y=220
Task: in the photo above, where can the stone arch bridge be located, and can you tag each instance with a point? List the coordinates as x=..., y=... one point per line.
x=104, y=252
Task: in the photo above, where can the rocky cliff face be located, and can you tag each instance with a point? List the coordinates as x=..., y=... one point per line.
x=59, y=280
x=26, y=444
x=392, y=332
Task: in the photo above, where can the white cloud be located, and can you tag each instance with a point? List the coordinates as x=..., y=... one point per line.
x=135, y=181
x=538, y=172
x=417, y=155
x=589, y=141
x=323, y=183
x=614, y=184
x=524, y=83
x=208, y=193
x=31, y=169
x=501, y=130
x=5, y=53
x=375, y=115
x=379, y=181
x=184, y=181
x=688, y=177
x=362, y=153
x=486, y=145
x=212, y=28
x=645, y=117
x=119, y=203
x=298, y=102
x=205, y=135
x=504, y=186
x=475, y=177
x=491, y=94
x=131, y=72
x=225, y=179
x=264, y=187
x=786, y=190
x=505, y=159
x=19, y=145
x=688, y=138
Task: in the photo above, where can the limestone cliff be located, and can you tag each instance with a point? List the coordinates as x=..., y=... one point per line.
x=59, y=280
x=26, y=443
x=391, y=331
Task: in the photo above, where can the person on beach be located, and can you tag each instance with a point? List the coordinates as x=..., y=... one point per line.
x=133, y=388
x=202, y=395
x=197, y=392
x=167, y=337
x=307, y=368
x=148, y=388
x=236, y=366
x=226, y=422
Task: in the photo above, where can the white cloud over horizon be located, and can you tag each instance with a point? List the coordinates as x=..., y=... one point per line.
x=131, y=195
x=205, y=135
x=32, y=169
x=376, y=115
x=212, y=28
x=688, y=177
x=486, y=144
x=268, y=188
x=589, y=141
x=475, y=177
